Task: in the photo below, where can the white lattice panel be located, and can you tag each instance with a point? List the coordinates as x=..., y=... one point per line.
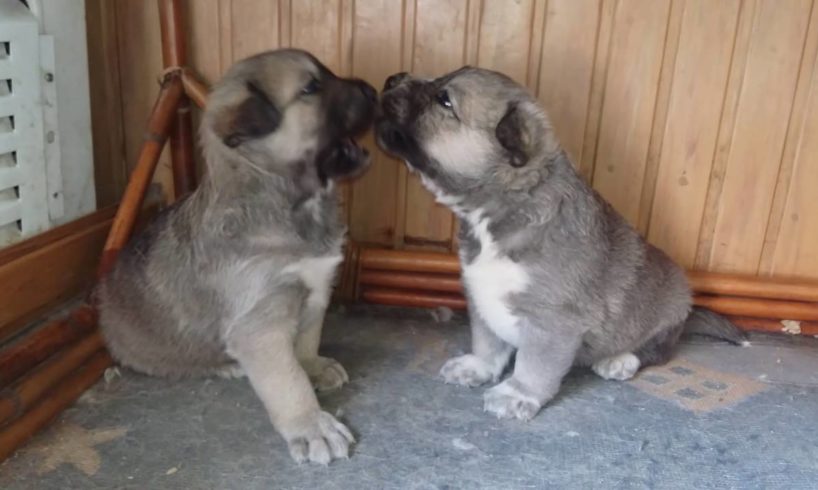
x=23, y=188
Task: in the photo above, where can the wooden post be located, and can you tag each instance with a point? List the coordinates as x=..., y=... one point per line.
x=42, y=413
x=174, y=56
x=405, y=278
x=194, y=89
x=158, y=127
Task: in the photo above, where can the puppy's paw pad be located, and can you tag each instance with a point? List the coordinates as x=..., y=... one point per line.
x=620, y=367
x=319, y=440
x=468, y=370
x=508, y=402
x=327, y=374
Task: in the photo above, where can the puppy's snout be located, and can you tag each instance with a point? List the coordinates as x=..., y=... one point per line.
x=394, y=80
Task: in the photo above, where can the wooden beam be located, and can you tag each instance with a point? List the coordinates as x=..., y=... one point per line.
x=24, y=354
x=41, y=414
x=17, y=399
x=414, y=278
x=56, y=265
x=174, y=56
x=158, y=128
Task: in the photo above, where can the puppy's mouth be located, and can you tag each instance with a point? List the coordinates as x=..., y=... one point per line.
x=343, y=160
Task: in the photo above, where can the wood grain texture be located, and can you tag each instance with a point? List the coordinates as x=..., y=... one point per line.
x=504, y=37
x=699, y=83
x=140, y=66
x=695, y=118
x=630, y=96
x=566, y=68
x=376, y=54
x=110, y=171
x=438, y=23
x=762, y=116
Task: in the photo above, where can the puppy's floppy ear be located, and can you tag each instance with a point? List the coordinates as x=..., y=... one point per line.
x=255, y=117
x=514, y=135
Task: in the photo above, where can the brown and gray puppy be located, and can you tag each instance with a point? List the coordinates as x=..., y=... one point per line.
x=550, y=269
x=237, y=276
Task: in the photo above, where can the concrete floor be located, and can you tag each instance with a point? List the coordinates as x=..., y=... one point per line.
x=718, y=416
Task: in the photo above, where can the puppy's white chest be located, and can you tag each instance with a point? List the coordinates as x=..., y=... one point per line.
x=490, y=278
x=317, y=274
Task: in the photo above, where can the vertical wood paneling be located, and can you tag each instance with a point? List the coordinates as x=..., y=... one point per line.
x=110, y=170
x=140, y=65
x=699, y=82
x=695, y=118
x=255, y=27
x=440, y=36
x=504, y=37
x=376, y=54
x=204, y=39
x=792, y=236
x=761, y=123
x=796, y=251
x=630, y=97
x=315, y=27
x=566, y=68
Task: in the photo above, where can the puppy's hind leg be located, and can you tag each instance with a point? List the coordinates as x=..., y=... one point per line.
x=619, y=367
x=656, y=351
x=542, y=361
x=264, y=346
x=489, y=357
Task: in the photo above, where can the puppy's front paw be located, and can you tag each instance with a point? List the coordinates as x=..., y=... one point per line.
x=326, y=374
x=508, y=401
x=318, y=438
x=468, y=370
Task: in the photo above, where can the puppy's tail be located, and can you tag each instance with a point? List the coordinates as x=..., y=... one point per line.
x=710, y=324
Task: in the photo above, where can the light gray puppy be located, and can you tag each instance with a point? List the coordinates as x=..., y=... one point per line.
x=551, y=270
x=237, y=276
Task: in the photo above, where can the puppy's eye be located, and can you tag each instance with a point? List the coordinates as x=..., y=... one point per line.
x=313, y=87
x=442, y=98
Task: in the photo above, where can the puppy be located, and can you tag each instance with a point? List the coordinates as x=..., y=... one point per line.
x=237, y=276
x=550, y=269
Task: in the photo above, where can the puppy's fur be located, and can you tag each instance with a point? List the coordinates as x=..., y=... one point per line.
x=237, y=276
x=551, y=270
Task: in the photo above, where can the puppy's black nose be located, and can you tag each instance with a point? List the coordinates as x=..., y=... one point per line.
x=394, y=80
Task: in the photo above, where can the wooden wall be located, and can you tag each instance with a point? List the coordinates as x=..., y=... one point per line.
x=697, y=119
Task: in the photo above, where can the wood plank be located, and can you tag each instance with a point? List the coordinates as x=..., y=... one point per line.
x=696, y=98
x=110, y=168
x=204, y=40
x=440, y=37
x=316, y=28
x=796, y=250
x=795, y=165
x=504, y=37
x=54, y=271
x=141, y=64
x=376, y=54
x=254, y=27
x=767, y=92
x=657, y=131
x=630, y=96
x=566, y=69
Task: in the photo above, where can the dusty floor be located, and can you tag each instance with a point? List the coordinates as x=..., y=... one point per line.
x=717, y=417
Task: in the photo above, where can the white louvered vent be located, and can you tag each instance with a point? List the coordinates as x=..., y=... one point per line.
x=24, y=191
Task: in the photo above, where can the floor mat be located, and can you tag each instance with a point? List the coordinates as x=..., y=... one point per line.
x=717, y=416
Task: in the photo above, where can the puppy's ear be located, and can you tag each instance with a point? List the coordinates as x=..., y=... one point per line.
x=514, y=135
x=257, y=116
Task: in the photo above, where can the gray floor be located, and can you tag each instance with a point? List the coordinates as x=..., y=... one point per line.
x=717, y=417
